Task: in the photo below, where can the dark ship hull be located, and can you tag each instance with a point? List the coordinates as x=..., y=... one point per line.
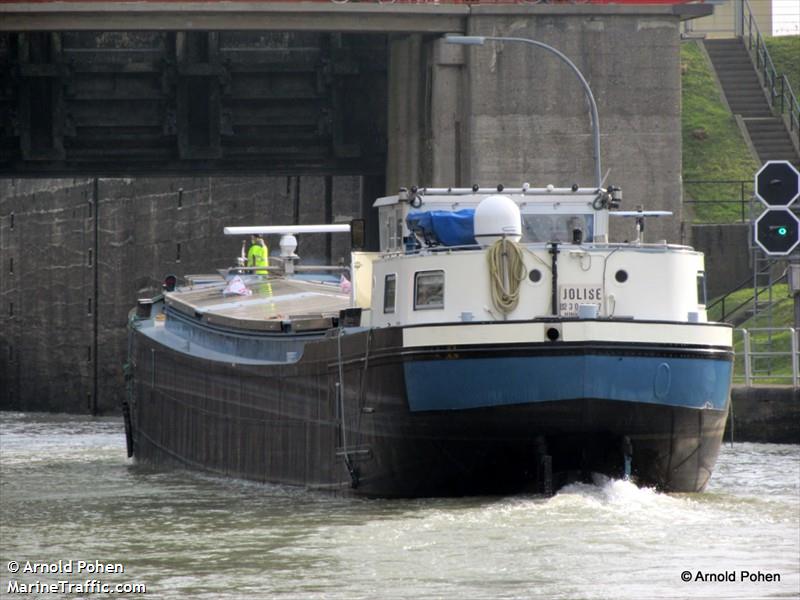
x=362, y=413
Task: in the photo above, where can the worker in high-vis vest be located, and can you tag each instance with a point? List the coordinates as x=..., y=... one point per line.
x=258, y=254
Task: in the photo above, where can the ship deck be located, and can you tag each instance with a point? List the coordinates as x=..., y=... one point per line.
x=273, y=302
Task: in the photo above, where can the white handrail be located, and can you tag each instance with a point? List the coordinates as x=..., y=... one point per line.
x=748, y=354
x=288, y=229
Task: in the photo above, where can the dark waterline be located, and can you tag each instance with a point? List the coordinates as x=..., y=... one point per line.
x=67, y=492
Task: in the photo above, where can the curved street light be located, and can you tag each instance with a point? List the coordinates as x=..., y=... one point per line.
x=475, y=40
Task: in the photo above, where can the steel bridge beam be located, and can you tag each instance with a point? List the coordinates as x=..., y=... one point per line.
x=232, y=16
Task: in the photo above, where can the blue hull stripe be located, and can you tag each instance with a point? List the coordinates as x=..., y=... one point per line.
x=481, y=382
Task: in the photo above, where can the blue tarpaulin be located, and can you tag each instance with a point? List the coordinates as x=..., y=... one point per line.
x=449, y=228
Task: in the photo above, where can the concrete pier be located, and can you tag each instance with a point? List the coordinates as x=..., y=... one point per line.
x=768, y=414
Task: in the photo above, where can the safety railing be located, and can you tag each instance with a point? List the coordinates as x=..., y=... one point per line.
x=708, y=194
x=768, y=355
x=728, y=307
x=779, y=90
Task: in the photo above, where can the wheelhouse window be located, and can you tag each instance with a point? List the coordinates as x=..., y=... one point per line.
x=556, y=228
x=702, y=298
x=389, y=293
x=428, y=290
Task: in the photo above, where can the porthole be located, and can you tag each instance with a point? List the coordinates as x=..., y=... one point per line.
x=535, y=275
x=621, y=276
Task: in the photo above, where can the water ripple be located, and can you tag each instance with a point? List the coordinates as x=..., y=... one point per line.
x=68, y=492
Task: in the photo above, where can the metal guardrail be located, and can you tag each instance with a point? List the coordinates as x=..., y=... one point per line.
x=727, y=311
x=781, y=96
x=722, y=192
x=758, y=346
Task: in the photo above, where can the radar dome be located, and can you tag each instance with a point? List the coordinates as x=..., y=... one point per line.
x=497, y=217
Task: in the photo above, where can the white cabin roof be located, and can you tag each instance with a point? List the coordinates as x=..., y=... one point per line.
x=551, y=203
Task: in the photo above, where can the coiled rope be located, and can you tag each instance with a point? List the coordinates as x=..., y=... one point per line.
x=506, y=272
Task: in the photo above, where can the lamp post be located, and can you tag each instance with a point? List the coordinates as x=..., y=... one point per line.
x=475, y=40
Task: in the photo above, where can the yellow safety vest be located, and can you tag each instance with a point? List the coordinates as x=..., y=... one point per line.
x=258, y=256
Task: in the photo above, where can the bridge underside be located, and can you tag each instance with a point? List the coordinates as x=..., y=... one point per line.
x=288, y=88
x=126, y=103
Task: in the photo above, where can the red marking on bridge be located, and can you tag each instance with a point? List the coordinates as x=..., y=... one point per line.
x=189, y=2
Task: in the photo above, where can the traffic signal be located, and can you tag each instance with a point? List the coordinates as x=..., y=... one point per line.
x=777, y=229
x=777, y=183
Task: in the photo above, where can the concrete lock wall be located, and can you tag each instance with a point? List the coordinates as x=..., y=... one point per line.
x=456, y=116
x=146, y=228
x=727, y=254
x=769, y=414
x=512, y=113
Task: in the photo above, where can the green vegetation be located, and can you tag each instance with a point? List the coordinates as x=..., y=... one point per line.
x=713, y=147
x=743, y=300
x=776, y=369
x=785, y=53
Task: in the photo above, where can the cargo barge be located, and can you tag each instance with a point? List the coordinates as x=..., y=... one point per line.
x=497, y=343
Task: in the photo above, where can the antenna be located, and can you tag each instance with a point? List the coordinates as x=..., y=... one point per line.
x=640, y=216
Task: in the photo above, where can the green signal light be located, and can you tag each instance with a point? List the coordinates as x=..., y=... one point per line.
x=782, y=231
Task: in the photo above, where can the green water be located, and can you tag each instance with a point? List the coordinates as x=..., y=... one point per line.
x=67, y=492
